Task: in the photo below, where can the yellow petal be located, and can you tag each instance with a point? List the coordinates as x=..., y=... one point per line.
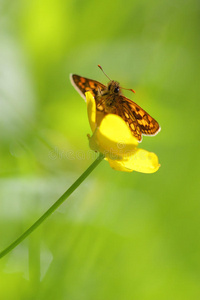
x=113, y=138
x=141, y=161
x=118, y=165
x=91, y=109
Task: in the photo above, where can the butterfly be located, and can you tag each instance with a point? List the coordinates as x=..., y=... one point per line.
x=110, y=100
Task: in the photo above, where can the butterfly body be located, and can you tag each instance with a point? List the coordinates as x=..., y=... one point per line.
x=110, y=100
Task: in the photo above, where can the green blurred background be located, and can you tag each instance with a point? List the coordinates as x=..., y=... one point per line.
x=120, y=235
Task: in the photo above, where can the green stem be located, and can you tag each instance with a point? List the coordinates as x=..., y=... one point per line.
x=72, y=188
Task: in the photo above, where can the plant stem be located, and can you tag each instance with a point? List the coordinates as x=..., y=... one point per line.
x=72, y=188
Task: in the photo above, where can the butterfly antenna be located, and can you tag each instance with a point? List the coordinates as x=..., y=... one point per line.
x=104, y=72
x=129, y=90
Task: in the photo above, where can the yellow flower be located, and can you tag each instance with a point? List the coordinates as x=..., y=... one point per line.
x=113, y=138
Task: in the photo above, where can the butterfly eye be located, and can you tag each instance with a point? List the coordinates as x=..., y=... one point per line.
x=116, y=90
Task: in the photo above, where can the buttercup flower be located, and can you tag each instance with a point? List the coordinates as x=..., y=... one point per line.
x=113, y=138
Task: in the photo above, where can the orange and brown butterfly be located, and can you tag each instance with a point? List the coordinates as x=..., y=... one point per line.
x=109, y=100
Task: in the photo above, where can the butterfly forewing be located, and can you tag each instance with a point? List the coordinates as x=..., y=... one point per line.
x=83, y=85
x=138, y=120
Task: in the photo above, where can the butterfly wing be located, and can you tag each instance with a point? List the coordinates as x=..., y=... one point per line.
x=83, y=85
x=139, y=121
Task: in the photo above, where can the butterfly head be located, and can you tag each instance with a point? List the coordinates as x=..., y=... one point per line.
x=114, y=88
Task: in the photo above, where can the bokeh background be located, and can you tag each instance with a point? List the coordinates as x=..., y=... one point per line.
x=120, y=235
